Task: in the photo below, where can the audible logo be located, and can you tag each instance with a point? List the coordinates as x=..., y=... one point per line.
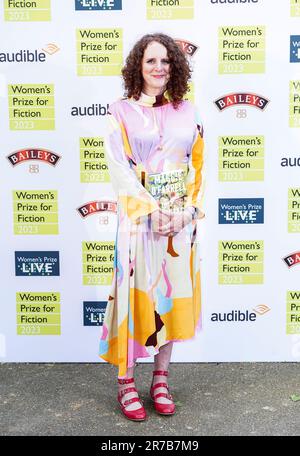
x=240, y=315
x=261, y=309
x=234, y=315
x=51, y=48
x=96, y=109
x=23, y=56
x=27, y=56
x=287, y=162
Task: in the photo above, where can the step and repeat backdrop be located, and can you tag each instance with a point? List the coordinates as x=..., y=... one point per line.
x=60, y=63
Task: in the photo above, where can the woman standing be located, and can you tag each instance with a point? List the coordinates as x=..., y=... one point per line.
x=154, y=150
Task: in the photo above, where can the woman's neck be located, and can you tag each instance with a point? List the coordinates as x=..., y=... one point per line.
x=153, y=92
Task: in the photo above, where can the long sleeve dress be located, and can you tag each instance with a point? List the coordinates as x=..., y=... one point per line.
x=155, y=292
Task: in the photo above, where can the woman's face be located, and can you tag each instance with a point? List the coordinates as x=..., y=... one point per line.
x=155, y=68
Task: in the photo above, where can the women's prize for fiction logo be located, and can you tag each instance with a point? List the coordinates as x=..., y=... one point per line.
x=242, y=49
x=293, y=312
x=35, y=212
x=93, y=165
x=31, y=107
x=97, y=262
x=241, y=158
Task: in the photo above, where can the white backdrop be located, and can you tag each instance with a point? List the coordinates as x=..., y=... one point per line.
x=56, y=260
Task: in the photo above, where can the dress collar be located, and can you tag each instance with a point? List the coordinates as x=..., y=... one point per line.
x=153, y=101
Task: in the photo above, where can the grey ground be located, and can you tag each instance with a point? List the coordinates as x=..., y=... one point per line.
x=212, y=399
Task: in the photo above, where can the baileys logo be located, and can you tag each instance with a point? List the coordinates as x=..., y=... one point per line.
x=292, y=259
x=23, y=155
x=187, y=47
x=241, y=98
x=97, y=206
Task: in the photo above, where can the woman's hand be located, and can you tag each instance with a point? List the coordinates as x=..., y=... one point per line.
x=169, y=223
x=160, y=219
x=178, y=221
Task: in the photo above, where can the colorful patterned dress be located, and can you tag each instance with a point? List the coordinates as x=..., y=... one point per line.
x=155, y=293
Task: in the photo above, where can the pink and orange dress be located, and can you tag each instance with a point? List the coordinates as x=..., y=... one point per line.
x=155, y=293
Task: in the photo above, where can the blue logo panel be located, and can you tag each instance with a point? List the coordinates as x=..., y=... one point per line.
x=39, y=263
x=241, y=210
x=93, y=313
x=90, y=5
x=295, y=48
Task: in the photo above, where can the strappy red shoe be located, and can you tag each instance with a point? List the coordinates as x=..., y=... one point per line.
x=162, y=409
x=134, y=415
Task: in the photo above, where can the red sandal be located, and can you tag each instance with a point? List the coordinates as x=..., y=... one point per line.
x=134, y=415
x=162, y=409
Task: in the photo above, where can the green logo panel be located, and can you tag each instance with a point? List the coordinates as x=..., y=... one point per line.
x=295, y=8
x=293, y=312
x=170, y=9
x=27, y=11
x=242, y=49
x=38, y=313
x=99, y=52
x=241, y=262
x=31, y=106
x=97, y=262
x=93, y=165
x=241, y=158
x=190, y=95
x=294, y=210
x=35, y=212
x=294, y=114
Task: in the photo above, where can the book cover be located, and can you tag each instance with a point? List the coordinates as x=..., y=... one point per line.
x=168, y=188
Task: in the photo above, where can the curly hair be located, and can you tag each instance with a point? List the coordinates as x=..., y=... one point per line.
x=180, y=71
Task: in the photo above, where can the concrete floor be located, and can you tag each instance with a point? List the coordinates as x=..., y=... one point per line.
x=212, y=399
